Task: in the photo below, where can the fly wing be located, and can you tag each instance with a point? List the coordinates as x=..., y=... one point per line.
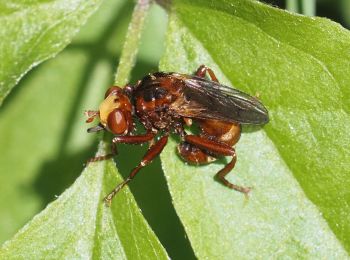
x=207, y=99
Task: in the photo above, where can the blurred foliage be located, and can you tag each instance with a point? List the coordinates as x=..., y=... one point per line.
x=336, y=10
x=31, y=39
x=44, y=143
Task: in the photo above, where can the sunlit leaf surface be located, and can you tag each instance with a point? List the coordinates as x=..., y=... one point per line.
x=297, y=164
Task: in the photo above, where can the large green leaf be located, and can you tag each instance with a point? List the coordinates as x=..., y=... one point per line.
x=298, y=163
x=79, y=226
x=33, y=31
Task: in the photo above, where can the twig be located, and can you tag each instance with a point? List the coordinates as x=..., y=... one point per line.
x=292, y=6
x=308, y=7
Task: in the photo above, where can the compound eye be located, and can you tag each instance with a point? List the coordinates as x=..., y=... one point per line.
x=117, y=122
x=114, y=89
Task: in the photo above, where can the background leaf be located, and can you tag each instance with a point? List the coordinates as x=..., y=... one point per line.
x=298, y=66
x=33, y=31
x=345, y=11
x=79, y=225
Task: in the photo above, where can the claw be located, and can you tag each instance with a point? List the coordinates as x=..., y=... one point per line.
x=95, y=129
x=91, y=114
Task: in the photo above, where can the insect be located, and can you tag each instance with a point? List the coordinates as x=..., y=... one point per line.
x=165, y=103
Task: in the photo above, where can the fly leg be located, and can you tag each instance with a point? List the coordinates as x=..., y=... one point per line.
x=133, y=139
x=202, y=70
x=104, y=157
x=126, y=139
x=218, y=149
x=193, y=155
x=152, y=152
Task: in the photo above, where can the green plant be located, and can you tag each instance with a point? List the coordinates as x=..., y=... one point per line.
x=297, y=163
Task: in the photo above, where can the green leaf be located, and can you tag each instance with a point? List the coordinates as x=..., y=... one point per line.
x=79, y=225
x=34, y=31
x=297, y=164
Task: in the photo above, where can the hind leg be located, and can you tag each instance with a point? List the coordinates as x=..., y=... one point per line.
x=193, y=151
x=193, y=154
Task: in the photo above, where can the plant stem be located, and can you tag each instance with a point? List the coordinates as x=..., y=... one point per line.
x=131, y=44
x=308, y=7
x=292, y=6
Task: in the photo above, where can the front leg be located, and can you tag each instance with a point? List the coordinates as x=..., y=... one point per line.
x=133, y=139
x=126, y=139
x=104, y=157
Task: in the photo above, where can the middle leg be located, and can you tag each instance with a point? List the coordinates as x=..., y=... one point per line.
x=152, y=152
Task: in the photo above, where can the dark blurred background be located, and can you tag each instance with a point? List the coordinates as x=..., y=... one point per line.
x=44, y=142
x=336, y=10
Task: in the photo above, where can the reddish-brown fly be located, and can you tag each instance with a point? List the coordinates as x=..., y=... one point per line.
x=164, y=103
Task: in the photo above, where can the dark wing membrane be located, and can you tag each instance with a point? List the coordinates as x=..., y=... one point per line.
x=207, y=99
